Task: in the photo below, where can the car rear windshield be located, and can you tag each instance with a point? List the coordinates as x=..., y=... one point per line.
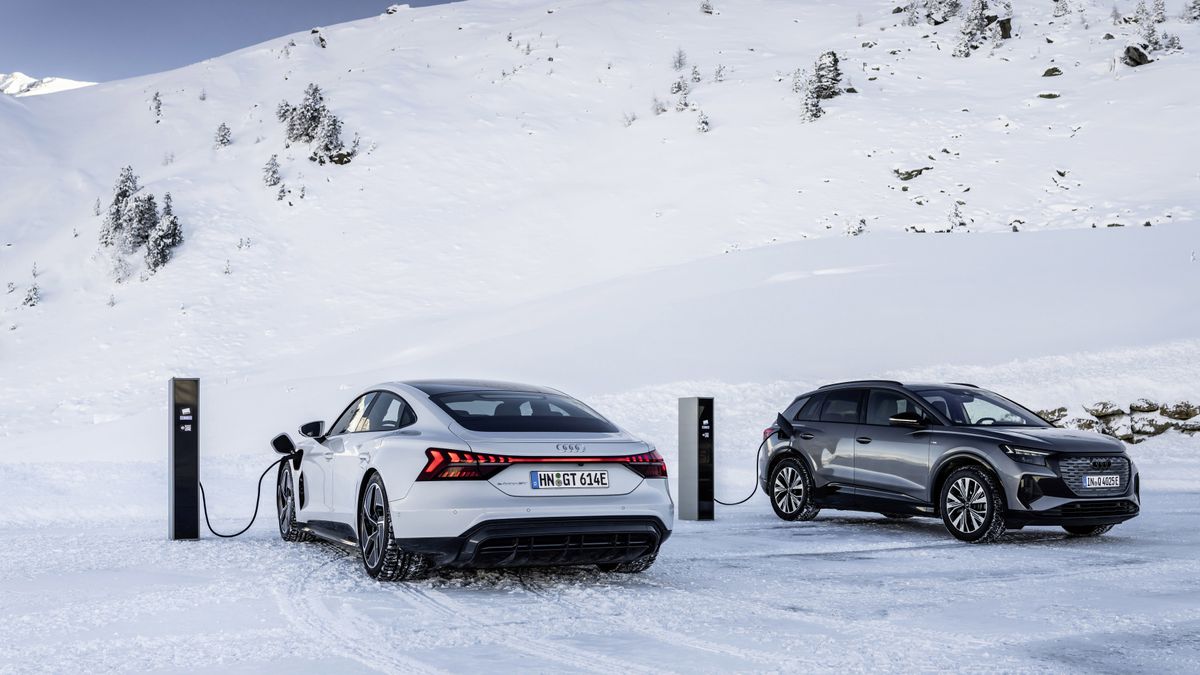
x=521, y=411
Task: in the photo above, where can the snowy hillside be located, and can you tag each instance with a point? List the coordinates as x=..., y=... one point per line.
x=20, y=84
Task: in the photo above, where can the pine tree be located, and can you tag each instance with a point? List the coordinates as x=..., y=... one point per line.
x=679, y=86
x=304, y=119
x=271, y=172
x=96, y=207
x=1191, y=12
x=911, y=13
x=156, y=106
x=706, y=7
x=695, y=74
x=223, y=137
x=203, y=95
x=702, y=123
x=32, y=296
x=827, y=76
x=680, y=60
x=973, y=32
x=1061, y=8
x=165, y=237
x=1147, y=29
x=811, y=103
x=143, y=218
x=657, y=105
x=939, y=11
x=1116, y=15
x=327, y=141
x=719, y=73
x=1160, y=11
x=112, y=231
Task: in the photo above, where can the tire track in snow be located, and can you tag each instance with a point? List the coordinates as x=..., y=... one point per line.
x=304, y=610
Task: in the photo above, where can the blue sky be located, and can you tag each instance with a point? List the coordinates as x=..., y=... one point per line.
x=101, y=40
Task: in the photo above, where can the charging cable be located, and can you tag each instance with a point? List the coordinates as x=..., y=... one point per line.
x=757, y=456
x=257, y=499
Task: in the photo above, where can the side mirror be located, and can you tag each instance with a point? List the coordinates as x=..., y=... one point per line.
x=313, y=429
x=283, y=444
x=786, y=430
x=907, y=418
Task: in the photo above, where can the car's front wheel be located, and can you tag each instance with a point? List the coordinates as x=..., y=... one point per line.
x=286, y=505
x=791, y=490
x=1087, y=530
x=972, y=506
x=381, y=557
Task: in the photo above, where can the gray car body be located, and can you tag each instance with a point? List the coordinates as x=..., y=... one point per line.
x=901, y=469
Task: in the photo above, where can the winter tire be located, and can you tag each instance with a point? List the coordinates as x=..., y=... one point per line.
x=285, y=506
x=972, y=506
x=632, y=567
x=382, y=558
x=790, y=489
x=1087, y=530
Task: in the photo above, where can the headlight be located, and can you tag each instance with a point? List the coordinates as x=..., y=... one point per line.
x=1025, y=455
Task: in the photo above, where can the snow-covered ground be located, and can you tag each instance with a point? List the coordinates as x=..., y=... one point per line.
x=501, y=220
x=746, y=592
x=20, y=84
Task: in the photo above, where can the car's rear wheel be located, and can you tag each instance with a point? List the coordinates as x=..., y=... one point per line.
x=286, y=505
x=382, y=558
x=972, y=506
x=1087, y=530
x=791, y=490
x=632, y=567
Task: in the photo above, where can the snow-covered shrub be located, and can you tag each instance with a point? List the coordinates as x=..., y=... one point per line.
x=156, y=106
x=313, y=122
x=33, y=295
x=706, y=7
x=164, y=238
x=1061, y=8
x=679, y=60
x=973, y=32
x=282, y=193
x=719, y=73
x=702, y=123
x=223, y=137
x=96, y=207
x=271, y=172
x=679, y=86
x=657, y=105
x=203, y=95
x=1116, y=17
x=695, y=74
x=1147, y=28
x=810, y=103
x=912, y=15
x=1159, y=11
x=938, y=12
x=827, y=76
x=628, y=119
x=11, y=287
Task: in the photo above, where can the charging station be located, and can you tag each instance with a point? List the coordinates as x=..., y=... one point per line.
x=696, y=442
x=183, y=459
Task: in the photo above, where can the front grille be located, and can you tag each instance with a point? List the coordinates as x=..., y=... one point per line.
x=564, y=549
x=1096, y=509
x=1073, y=469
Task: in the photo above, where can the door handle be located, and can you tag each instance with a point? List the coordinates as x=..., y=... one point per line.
x=863, y=439
x=807, y=436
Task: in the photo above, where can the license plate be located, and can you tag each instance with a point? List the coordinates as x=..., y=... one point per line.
x=1101, y=481
x=560, y=480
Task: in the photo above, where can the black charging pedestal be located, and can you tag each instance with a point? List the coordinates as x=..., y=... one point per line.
x=696, y=442
x=183, y=459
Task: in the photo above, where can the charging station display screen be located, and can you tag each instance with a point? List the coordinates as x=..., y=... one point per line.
x=704, y=442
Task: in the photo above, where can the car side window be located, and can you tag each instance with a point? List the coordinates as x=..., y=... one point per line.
x=355, y=414
x=388, y=412
x=842, y=406
x=883, y=404
x=811, y=410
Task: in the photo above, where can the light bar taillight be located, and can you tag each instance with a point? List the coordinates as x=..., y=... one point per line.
x=461, y=465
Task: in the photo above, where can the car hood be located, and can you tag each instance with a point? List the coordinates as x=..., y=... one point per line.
x=1047, y=438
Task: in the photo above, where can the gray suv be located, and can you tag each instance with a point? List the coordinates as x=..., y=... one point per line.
x=976, y=459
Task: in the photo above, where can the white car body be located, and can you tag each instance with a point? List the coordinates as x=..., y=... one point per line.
x=453, y=521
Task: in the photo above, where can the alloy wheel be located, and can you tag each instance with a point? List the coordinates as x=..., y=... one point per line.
x=967, y=505
x=788, y=491
x=285, y=501
x=372, y=525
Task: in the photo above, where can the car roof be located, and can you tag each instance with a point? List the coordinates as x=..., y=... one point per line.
x=915, y=386
x=435, y=387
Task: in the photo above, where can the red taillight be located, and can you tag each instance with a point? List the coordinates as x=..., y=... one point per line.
x=767, y=432
x=461, y=465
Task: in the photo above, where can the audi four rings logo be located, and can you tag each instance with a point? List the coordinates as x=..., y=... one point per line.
x=1101, y=464
x=571, y=447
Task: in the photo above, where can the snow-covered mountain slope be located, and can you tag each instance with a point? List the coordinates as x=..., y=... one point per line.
x=20, y=84
x=502, y=218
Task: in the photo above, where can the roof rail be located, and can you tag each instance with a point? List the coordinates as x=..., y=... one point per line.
x=966, y=384
x=838, y=384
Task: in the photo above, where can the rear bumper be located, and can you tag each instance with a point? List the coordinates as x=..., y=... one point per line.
x=545, y=542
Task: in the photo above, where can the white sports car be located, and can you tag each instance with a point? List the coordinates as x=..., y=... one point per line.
x=454, y=473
